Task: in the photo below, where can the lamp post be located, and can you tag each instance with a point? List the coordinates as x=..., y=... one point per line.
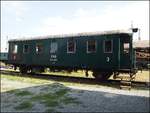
x=139, y=37
x=6, y=48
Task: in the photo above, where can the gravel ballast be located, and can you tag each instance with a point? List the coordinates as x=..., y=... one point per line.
x=99, y=101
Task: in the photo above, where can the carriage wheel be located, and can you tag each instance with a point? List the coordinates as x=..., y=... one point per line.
x=23, y=70
x=102, y=75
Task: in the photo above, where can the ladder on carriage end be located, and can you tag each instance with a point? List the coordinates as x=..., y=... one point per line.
x=126, y=81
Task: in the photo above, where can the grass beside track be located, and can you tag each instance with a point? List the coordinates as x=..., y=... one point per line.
x=38, y=81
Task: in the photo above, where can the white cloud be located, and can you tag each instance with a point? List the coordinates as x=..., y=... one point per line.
x=16, y=7
x=96, y=20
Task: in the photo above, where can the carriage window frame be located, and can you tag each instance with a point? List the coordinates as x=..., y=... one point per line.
x=104, y=46
x=74, y=50
x=39, y=52
x=87, y=46
x=126, y=46
x=14, y=48
x=28, y=50
x=54, y=51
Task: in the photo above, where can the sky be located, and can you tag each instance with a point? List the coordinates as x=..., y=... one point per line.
x=21, y=19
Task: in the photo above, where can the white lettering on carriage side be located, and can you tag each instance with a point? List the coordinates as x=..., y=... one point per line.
x=107, y=59
x=53, y=58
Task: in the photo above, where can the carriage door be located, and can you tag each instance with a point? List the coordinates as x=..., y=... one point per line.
x=13, y=52
x=26, y=54
x=125, y=55
x=108, y=54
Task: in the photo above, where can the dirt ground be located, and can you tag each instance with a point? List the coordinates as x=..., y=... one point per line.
x=22, y=94
x=143, y=76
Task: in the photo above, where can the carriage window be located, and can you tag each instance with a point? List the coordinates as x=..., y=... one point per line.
x=53, y=47
x=71, y=46
x=14, y=48
x=126, y=47
x=26, y=49
x=39, y=48
x=108, y=46
x=91, y=46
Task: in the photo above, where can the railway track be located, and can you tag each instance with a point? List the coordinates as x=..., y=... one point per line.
x=81, y=80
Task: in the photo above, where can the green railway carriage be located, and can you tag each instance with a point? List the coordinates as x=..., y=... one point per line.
x=102, y=52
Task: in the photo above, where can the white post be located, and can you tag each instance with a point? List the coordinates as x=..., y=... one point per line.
x=139, y=37
x=6, y=44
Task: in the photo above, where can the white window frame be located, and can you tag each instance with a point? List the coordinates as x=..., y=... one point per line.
x=24, y=48
x=74, y=47
x=87, y=49
x=111, y=46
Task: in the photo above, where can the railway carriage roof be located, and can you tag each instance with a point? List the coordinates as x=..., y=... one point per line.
x=74, y=35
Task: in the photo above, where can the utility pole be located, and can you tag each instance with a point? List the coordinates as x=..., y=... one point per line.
x=131, y=24
x=139, y=37
x=6, y=43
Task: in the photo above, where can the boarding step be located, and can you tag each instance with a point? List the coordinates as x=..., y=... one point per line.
x=125, y=83
x=125, y=80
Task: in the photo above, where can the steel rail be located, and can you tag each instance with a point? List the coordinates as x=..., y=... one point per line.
x=81, y=80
